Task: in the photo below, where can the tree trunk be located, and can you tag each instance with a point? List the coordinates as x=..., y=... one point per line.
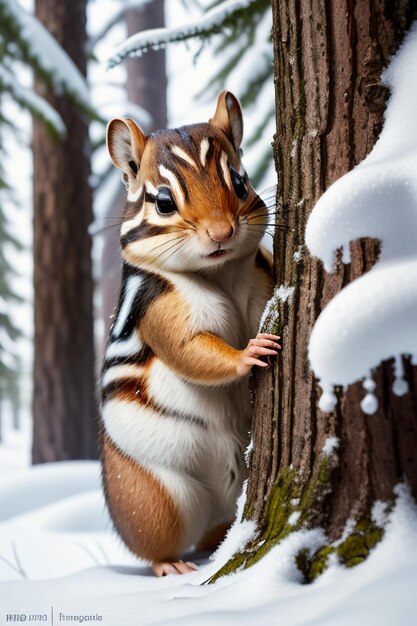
x=15, y=415
x=146, y=86
x=64, y=403
x=330, y=104
x=146, y=75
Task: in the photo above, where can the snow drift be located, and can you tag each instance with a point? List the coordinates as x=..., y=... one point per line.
x=57, y=550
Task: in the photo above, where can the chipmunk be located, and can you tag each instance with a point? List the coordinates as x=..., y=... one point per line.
x=175, y=397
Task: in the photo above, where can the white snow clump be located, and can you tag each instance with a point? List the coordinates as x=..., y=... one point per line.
x=330, y=446
x=374, y=318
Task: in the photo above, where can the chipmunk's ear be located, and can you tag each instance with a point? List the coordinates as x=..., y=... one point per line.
x=125, y=142
x=228, y=117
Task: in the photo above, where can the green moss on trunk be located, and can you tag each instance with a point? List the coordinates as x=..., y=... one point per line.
x=350, y=552
x=288, y=495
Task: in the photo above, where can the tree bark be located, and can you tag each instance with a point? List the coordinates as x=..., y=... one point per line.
x=330, y=105
x=146, y=86
x=64, y=402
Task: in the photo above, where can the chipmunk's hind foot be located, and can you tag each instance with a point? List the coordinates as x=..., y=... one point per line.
x=179, y=567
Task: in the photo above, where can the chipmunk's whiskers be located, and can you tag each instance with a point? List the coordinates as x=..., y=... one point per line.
x=106, y=228
x=177, y=241
x=164, y=243
x=175, y=251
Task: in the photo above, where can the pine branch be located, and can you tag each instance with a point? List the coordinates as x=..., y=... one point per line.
x=33, y=44
x=28, y=99
x=228, y=14
x=259, y=130
x=7, y=325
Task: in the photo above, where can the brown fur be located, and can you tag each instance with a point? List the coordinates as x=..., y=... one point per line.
x=141, y=508
x=214, y=537
x=207, y=204
x=201, y=358
x=211, y=210
x=130, y=389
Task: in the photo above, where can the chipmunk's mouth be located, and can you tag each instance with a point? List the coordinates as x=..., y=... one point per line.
x=218, y=253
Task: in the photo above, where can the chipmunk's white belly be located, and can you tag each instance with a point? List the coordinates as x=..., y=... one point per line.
x=216, y=406
x=184, y=426
x=229, y=303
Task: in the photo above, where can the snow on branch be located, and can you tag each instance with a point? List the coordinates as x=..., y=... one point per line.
x=374, y=317
x=40, y=47
x=30, y=100
x=212, y=22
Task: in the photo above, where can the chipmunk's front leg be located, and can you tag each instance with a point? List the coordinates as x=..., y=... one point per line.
x=199, y=356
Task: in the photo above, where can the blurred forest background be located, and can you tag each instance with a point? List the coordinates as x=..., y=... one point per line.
x=66, y=68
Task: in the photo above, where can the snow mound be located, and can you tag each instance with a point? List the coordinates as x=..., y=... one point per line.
x=42, y=485
x=374, y=318
x=50, y=559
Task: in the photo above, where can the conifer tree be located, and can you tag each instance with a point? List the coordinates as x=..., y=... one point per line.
x=239, y=32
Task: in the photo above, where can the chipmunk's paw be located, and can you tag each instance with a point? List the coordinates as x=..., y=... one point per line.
x=264, y=345
x=179, y=567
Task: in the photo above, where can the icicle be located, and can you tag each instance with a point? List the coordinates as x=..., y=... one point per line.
x=330, y=264
x=328, y=399
x=369, y=384
x=400, y=386
x=346, y=254
x=369, y=403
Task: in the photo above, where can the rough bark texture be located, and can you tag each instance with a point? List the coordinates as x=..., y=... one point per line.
x=64, y=403
x=330, y=104
x=146, y=86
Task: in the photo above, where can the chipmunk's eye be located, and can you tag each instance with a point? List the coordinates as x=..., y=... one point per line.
x=238, y=184
x=165, y=204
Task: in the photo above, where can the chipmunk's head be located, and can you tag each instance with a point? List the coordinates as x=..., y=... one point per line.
x=190, y=205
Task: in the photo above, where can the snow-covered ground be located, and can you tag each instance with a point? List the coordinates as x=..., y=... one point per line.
x=61, y=560
x=15, y=445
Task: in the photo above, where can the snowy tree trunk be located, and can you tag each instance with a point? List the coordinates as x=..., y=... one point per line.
x=146, y=86
x=329, y=104
x=64, y=403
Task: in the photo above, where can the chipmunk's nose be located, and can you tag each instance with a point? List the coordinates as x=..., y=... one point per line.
x=220, y=232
